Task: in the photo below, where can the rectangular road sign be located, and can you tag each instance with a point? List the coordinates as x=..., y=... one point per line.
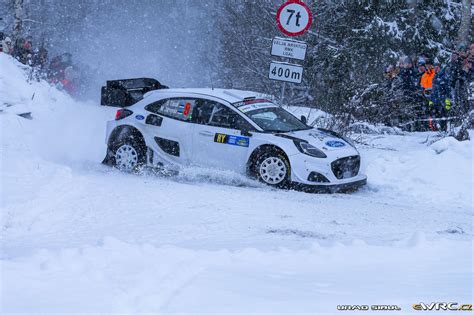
x=288, y=48
x=288, y=72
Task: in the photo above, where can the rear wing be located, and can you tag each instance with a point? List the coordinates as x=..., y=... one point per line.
x=123, y=93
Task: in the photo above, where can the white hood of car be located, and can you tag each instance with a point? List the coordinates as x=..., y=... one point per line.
x=321, y=139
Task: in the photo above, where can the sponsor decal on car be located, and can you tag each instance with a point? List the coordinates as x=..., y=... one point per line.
x=140, y=117
x=335, y=144
x=231, y=139
x=249, y=107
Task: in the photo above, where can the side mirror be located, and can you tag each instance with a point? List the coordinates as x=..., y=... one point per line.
x=245, y=132
x=303, y=119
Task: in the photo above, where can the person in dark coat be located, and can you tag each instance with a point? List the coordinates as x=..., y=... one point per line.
x=40, y=58
x=56, y=70
x=405, y=80
x=40, y=63
x=440, y=103
x=460, y=75
x=2, y=37
x=23, y=51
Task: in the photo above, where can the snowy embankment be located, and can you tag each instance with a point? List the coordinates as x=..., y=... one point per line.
x=80, y=237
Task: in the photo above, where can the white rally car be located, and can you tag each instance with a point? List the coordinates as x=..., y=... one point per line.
x=231, y=130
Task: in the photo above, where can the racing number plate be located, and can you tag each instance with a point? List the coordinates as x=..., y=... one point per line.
x=231, y=139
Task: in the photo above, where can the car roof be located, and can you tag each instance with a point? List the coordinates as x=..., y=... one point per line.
x=229, y=95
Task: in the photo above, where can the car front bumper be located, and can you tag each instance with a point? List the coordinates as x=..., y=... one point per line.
x=329, y=174
x=345, y=187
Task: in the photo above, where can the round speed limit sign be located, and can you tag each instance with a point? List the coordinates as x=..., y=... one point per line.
x=294, y=18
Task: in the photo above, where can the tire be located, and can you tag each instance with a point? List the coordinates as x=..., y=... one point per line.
x=129, y=155
x=273, y=168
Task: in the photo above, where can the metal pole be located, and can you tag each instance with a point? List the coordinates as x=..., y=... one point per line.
x=282, y=92
x=283, y=86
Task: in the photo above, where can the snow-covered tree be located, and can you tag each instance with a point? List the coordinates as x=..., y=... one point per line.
x=350, y=44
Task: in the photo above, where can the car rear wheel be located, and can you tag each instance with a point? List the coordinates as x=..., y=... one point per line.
x=273, y=168
x=129, y=155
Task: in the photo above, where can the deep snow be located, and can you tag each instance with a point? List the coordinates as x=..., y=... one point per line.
x=80, y=237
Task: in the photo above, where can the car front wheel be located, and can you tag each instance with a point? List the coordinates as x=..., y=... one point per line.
x=273, y=168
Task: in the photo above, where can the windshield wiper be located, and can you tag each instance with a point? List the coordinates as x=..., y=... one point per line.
x=299, y=129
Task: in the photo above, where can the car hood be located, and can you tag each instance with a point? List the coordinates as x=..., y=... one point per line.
x=320, y=139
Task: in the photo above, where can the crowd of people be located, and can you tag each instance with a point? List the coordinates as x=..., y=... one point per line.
x=59, y=71
x=433, y=89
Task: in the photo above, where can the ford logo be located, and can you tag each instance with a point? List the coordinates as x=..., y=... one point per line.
x=335, y=144
x=139, y=117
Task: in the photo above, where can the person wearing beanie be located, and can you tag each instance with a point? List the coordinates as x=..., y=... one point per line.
x=7, y=46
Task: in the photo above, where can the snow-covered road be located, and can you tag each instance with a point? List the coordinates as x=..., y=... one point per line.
x=88, y=204
x=78, y=236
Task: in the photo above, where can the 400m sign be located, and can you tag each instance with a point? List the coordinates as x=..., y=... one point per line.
x=288, y=72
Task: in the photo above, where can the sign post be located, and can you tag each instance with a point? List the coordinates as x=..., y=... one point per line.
x=293, y=18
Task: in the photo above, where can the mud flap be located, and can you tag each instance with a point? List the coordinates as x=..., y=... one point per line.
x=109, y=158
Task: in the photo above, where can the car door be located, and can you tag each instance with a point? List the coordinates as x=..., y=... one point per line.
x=217, y=139
x=168, y=123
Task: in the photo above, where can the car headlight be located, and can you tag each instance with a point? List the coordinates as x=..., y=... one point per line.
x=306, y=148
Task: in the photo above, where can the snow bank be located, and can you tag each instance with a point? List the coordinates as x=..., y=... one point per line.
x=17, y=95
x=120, y=277
x=379, y=129
x=440, y=173
x=62, y=130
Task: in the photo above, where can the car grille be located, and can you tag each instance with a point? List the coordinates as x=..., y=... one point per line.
x=346, y=167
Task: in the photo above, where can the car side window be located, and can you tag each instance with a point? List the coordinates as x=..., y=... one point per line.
x=212, y=113
x=155, y=106
x=177, y=108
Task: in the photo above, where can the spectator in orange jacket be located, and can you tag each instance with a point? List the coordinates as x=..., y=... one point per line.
x=426, y=80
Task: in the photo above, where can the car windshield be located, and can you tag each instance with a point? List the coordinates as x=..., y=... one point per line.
x=272, y=118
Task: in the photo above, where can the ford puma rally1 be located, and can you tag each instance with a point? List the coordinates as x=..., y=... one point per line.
x=230, y=130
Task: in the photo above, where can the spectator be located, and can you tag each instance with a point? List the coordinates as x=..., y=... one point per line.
x=40, y=63
x=440, y=103
x=426, y=80
x=469, y=60
x=421, y=69
x=55, y=71
x=390, y=73
x=66, y=60
x=457, y=60
x=7, y=46
x=23, y=51
x=2, y=37
x=405, y=80
x=40, y=58
x=69, y=81
x=460, y=73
